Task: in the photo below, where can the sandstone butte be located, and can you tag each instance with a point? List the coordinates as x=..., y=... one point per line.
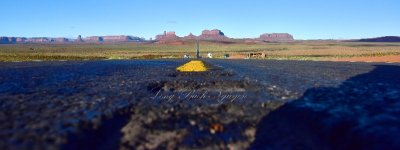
x=218, y=35
x=79, y=39
x=166, y=37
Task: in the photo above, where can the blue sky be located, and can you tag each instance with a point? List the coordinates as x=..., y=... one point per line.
x=305, y=19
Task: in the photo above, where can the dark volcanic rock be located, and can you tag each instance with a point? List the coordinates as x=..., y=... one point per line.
x=382, y=39
x=276, y=37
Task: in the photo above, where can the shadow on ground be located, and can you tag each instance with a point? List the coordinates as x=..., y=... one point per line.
x=362, y=113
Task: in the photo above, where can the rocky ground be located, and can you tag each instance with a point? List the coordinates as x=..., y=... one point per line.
x=237, y=104
x=395, y=58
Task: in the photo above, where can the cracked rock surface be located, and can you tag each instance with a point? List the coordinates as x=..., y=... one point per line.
x=237, y=104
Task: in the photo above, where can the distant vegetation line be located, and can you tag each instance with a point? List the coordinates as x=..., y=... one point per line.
x=291, y=50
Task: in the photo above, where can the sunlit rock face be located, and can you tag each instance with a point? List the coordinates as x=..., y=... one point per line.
x=167, y=36
x=212, y=35
x=190, y=37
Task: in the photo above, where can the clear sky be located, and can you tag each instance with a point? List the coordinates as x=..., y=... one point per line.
x=305, y=19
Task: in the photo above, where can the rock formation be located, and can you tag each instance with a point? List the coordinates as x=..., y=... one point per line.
x=4, y=40
x=276, y=37
x=212, y=35
x=115, y=38
x=93, y=39
x=79, y=39
x=59, y=40
x=190, y=37
x=21, y=40
x=167, y=36
x=112, y=39
x=12, y=39
x=8, y=40
x=38, y=40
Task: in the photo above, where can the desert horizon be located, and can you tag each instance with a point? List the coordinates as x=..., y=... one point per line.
x=228, y=75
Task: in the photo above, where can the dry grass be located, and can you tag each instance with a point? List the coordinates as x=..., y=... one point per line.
x=295, y=50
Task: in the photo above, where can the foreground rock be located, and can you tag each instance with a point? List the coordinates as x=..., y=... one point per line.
x=362, y=113
x=79, y=105
x=238, y=104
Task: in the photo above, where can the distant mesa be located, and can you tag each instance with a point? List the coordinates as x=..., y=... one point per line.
x=20, y=40
x=59, y=40
x=37, y=40
x=167, y=36
x=190, y=37
x=14, y=40
x=112, y=39
x=79, y=39
x=121, y=38
x=213, y=35
x=93, y=39
x=6, y=40
x=382, y=39
x=276, y=37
